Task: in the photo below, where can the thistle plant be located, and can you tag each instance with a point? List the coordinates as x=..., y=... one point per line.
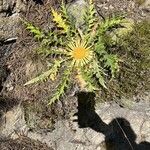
x=82, y=50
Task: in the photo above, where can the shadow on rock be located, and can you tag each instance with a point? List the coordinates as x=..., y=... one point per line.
x=118, y=133
x=39, y=2
x=6, y=105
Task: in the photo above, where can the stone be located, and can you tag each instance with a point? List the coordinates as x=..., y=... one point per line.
x=10, y=18
x=88, y=139
x=145, y=9
x=146, y=5
x=133, y=122
x=21, y=6
x=12, y=123
x=3, y=74
x=9, y=27
x=77, y=10
x=8, y=85
x=9, y=7
x=5, y=5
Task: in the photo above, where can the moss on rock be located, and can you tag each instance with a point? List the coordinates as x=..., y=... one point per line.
x=133, y=77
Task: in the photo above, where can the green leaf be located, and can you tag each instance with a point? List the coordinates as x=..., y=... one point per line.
x=61, y=23
x=98, y=71
x=88, y=77
x=111, y=61
x=62, y=86
x=38, y=34
x=46, y=74
x=41, y=77
x=100, y=47
x=109, y=24
x=89, y=17
x=68, y=19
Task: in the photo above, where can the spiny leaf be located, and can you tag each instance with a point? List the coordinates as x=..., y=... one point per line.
x=55, y=68
x=100, y=48
x=46, y=51
x=109, y=24
x=69, y=20
x=62, y=86
x=41, y=77
x=61, y=23
x=53, y=71
x=90, y=18
x=111, y=61
x=99, y=73
x=92, y=36
x=64, y=13
x=35, y=30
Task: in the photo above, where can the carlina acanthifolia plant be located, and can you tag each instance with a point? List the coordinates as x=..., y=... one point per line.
x=82, y=50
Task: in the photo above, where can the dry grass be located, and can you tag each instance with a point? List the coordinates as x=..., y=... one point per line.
x=22, y=143
x=24, y=64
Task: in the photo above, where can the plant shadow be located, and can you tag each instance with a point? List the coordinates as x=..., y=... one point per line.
x=118, y=133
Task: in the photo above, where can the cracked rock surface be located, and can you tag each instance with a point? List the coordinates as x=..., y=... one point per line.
x=10, y=13
x=106, y=127
x=9, y=27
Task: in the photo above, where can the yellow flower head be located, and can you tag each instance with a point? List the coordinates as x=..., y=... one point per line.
x=80, y=52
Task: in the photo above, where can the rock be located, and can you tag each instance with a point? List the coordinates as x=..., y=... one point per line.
x=3, y=73
x=145, y=9
x=130, y=8
x=77, y=10
x=21, y=6
x=9, y=27
x=34, y=67
x=108, y=126
x=12, y=123
x=8, y=86
x=146, y=5
x=10, y=18
x=9, y=7
x=134, y=123
x=6, y=6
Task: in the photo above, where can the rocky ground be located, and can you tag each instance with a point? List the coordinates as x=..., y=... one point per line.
x=25, y=120
x=105, y=126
